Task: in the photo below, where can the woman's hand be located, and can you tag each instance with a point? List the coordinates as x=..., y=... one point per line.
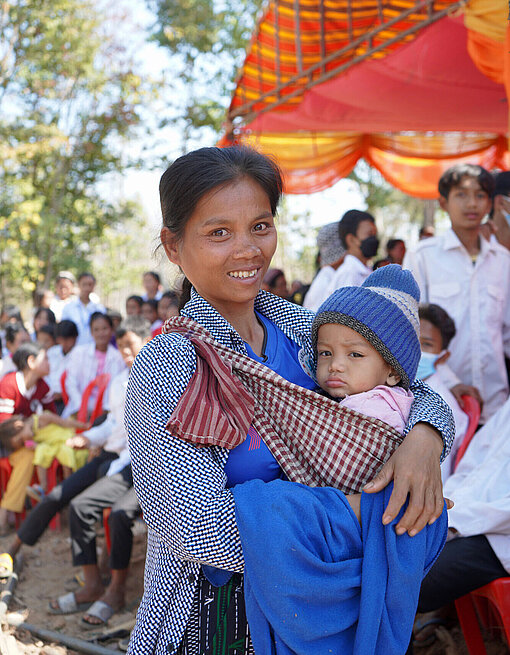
x=415, y=471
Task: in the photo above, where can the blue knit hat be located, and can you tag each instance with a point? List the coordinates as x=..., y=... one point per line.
x=384, y=310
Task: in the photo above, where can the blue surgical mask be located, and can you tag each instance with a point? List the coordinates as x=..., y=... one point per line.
x=427, y=365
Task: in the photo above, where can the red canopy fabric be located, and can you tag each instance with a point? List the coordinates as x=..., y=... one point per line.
x=411, y=112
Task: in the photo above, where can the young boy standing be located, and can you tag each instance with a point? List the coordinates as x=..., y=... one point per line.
x=470, y=278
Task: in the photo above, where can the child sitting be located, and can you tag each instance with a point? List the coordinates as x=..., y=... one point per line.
x=367, y=345
x=47, y=433
x=437, y=329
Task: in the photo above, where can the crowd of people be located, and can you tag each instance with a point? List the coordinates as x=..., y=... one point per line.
x=78, y=379
x=71, y=343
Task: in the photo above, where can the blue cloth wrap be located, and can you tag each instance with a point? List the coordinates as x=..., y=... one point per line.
x=316, y=582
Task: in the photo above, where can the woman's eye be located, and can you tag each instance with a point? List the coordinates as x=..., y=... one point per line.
x=260, y=227
x=220, y=232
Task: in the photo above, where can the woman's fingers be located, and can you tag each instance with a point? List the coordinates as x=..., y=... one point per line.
x=382, y=479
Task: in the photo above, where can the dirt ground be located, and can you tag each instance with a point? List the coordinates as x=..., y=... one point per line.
x=47, y=572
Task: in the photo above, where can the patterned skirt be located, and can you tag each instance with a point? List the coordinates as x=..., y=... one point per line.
x=218, y=624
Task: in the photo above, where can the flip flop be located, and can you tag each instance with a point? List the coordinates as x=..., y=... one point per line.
x=420, y=625
x=67, y=605
x=6, y=566
x=99, y=610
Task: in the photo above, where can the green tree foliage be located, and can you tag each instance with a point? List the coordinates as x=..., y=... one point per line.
x=207, y=41
x=68, y=99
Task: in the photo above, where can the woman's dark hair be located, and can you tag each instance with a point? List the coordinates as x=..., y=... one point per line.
x=67, y=329
x=453, y=177
x=137, y=299
x=97, y=315
x=49, y=315
x=26, y=350
x=441, y=320
x=350, y=221
x=193, y=175
x=11, y=330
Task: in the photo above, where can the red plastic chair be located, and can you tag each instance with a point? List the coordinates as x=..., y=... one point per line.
x=65, y=397
x=492, y=604
x=473, y=410
x=101, y=382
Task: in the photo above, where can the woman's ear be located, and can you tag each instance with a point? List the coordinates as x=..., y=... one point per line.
x=170, y=244
x=393, y=378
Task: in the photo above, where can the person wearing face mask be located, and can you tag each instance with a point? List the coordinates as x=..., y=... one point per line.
x=358, y=235
x=437, y=329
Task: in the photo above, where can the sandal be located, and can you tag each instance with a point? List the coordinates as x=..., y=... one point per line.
x=6, y=566
x=67, y=604
x=422, y=624
x=99, y=610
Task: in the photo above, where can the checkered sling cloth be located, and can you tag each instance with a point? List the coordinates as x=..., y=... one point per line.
x=314, y=439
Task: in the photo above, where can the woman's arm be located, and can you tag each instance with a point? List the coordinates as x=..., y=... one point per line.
x=414, y=466
x=181, y=487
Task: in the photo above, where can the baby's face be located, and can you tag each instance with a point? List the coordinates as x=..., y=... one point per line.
x=348, y=364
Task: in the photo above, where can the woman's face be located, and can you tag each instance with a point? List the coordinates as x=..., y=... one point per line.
x=227, y=245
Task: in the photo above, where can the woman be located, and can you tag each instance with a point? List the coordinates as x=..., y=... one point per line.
x=218, y=210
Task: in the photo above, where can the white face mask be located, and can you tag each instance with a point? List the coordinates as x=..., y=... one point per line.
x=427, y=364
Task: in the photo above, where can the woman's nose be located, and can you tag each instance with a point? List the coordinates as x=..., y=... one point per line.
x=246, y=247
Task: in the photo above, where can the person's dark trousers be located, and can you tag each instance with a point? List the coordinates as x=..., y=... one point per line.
x=86, y=509
x=124, y=513
x=464, y=564
x=61, y=495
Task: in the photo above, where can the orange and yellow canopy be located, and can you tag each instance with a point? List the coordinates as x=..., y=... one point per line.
x=412, y=87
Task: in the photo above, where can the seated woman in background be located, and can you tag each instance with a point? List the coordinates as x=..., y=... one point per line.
x=86, y=362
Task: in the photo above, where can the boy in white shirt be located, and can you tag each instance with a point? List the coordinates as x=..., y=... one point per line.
x=358, y=235
x=470, y=276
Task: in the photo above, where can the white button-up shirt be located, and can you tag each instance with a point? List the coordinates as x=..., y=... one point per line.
x=477, y=297
x=352, y=273
x=318, y=291
x=480, y=487
x=80, y=314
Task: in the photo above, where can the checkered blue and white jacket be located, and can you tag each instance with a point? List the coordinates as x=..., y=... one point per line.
x=181, y=488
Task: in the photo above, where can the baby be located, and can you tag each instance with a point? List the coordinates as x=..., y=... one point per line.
x=367, y=348
x=367, y=345
x=47, y=433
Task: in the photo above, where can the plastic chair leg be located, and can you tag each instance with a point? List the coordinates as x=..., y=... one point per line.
x=470, y=625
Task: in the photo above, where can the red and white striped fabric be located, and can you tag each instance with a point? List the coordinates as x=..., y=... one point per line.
x=315, y=440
